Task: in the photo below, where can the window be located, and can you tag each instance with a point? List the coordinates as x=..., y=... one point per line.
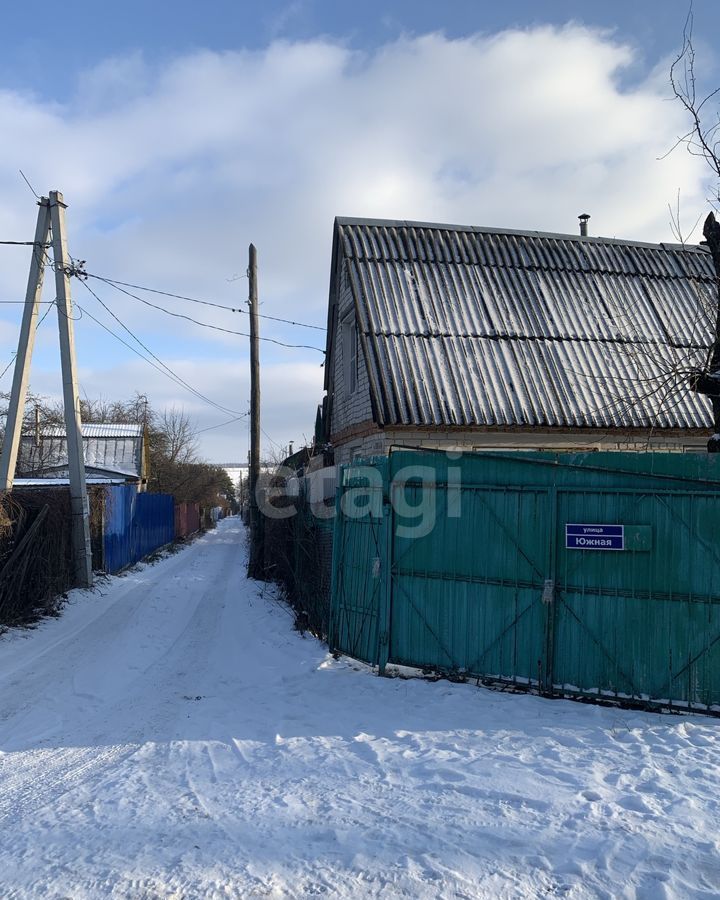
x=350, y=353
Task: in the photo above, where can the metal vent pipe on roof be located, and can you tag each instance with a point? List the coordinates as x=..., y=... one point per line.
x=583, y=224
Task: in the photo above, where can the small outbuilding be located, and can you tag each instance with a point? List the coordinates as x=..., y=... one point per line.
x=114, y=453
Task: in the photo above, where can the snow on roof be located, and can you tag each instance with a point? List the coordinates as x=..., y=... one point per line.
x=57, y=482
x=117, y=447
x=467, y=326
x=98, y=430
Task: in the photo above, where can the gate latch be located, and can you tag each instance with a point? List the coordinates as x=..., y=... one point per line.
x=548, y=594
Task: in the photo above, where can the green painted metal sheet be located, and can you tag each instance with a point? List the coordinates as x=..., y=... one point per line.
x=360, y=565
x=460, y=566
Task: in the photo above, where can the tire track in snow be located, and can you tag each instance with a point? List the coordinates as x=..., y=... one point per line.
x=133, y=593
x=31, y=779
x=50, y=683
x=23, y=792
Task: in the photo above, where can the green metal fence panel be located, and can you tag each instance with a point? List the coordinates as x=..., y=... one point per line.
x=641, y=623
x=361, y=566
x=460, y=565
x=464, y=593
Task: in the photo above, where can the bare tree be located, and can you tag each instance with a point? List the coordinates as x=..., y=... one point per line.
x=703, y=140
x=177, y=433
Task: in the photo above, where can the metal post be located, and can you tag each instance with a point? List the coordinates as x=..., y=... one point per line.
x=82, y=557
x=257, y=550
x=18, y=394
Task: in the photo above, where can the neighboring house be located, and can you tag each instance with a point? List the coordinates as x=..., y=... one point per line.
x=478, y=338
x=114, y=452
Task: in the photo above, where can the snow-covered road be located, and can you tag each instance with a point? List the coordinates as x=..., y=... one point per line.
x=172, y=736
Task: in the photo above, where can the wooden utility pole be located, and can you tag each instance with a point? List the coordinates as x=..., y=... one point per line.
x=256, y=562
x=21, y=375
x=82, y=556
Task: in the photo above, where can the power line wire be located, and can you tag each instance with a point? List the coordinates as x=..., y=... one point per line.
x=50, y=303
x=2, y=374
x=174, y=374
x=162, y=371
x=24, y=178
x=207, y=325
x=139, y=287
x=162, y=367
x=235, y=309
x=45, y=314
x=221, y=424
x=274, y=443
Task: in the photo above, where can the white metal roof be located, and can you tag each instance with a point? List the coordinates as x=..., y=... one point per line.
x=115, y=447
x=98, y=429
x=59, y=482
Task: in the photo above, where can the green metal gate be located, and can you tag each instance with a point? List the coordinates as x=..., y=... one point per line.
x=491, y=590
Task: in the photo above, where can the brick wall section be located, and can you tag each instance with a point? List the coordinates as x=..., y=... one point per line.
x=379, y=443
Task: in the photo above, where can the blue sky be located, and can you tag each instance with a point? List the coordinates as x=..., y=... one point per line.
x=179, y=133
x=87, y=32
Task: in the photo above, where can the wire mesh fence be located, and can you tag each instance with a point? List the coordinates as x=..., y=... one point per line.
x=298, y=557
x=35, y=553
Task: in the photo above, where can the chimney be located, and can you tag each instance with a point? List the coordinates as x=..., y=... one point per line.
x=583, y=224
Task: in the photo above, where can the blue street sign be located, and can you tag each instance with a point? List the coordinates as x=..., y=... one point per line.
x=595, y=537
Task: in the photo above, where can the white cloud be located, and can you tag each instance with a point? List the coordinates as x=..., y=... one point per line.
x=172, y=169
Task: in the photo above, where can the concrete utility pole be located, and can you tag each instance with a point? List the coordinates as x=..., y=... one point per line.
x=51, y=215
x=82, y=556
x=257, y=549
x=21, y=375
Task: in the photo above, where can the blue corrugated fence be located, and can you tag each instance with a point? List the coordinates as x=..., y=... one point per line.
x=135, y=525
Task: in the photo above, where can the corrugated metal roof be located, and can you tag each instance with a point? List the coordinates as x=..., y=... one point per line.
x=480, y=327
x=41, y=482
x=111, y=447
x=98, y=429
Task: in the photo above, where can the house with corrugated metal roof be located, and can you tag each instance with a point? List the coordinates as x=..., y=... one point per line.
x=479, y=338
x=113, y=452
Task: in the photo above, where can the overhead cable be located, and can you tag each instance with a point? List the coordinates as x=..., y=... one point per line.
x=24, y=177
x=50, y=303
x=207, y=325
x=221, y=424
x=162, y=367
x=235, y=309
x=12, y=360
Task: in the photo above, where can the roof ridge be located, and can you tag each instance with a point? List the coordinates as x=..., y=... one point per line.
x=484, y=229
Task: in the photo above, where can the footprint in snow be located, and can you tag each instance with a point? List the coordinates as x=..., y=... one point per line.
x=635, y=804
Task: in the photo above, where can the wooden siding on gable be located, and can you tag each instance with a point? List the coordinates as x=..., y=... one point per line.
x=348, y=409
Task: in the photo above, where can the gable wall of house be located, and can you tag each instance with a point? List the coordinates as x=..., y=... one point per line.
x=348, y=409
